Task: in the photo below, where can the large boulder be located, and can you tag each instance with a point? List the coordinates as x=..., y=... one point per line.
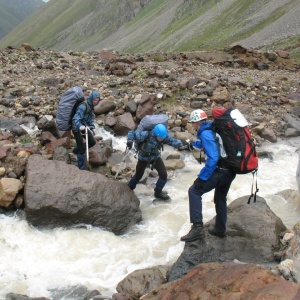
x=124, y=123
x=227, y=281
x=58, y=194
x=253, y=232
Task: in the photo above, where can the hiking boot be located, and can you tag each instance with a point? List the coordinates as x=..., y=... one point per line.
x=196, y=233
x=161, y=195
x=214, y=232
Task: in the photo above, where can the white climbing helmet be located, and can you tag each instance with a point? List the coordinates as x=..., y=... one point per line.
x=198, y=115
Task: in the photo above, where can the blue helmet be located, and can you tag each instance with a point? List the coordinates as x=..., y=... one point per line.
x=160, y=131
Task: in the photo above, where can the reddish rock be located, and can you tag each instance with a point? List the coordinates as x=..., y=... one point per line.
x=228, y=281
x=4, y=151
x=52, y=145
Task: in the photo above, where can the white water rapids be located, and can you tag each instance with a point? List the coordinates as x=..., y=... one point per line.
x=34, y=261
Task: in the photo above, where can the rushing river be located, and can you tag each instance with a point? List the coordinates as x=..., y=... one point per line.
x=33, y=261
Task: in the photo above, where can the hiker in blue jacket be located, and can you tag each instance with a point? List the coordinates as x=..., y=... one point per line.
x=149, y=153
x=84, y=117
x=211, y=176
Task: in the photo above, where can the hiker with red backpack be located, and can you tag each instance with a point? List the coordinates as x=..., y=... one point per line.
x=230, y=150
x=83, y=123
x=211, y=176
x=149, y=152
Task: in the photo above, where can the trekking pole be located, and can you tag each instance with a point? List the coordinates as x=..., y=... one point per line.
x=122, y=161
x=87, y=143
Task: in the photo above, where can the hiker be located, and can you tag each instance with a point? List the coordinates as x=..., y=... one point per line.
x=150, y=153
x=212, y=176
x=84, y=116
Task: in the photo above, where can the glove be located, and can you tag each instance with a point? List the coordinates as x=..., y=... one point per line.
x=82, y=129
x=191, y=146
x=129, y=144
x=198, y=183
x=184, y=147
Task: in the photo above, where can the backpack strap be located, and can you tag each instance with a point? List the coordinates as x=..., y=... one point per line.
x=87, y=110
x=217, y=141
x=74, y=109
x=256, y=191
x=140, y=145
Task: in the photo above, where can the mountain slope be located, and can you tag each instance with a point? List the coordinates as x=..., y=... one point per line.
x=13, y=12
x=152, y=25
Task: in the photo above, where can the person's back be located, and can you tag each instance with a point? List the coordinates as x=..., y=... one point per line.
x=149, y=146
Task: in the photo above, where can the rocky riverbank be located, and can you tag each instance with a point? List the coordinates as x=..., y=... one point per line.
x=263, y=85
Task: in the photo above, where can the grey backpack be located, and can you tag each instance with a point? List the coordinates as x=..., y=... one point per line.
x=67, y=105
x=147, y=124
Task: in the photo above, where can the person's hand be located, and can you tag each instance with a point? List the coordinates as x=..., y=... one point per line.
x=184, y=147
x=198, y=183
x=82, y=129
x=129, y=144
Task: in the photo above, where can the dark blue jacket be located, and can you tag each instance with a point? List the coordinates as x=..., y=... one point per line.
x=207, y=141
x=151, y=149
x=81, y=117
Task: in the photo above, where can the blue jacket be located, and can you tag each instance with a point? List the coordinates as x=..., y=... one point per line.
x=207, y=141
x=151, y=149
x=81, y=117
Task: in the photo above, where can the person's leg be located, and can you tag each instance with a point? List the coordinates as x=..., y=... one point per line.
x=220, y=200
x=81, y=163
x=80, y=150
x=139, y=172
x=195, y=197
x=159, y=166
x=195, y=203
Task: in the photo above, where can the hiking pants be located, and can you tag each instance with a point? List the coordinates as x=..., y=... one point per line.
x=81, y=147
x=141, y=166
x=220, y=181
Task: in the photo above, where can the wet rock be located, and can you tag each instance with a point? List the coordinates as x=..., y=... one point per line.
x=140, y=282
x=79, y=197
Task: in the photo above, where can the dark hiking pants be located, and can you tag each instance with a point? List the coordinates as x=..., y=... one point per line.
x=220, y=181
x=141, y=166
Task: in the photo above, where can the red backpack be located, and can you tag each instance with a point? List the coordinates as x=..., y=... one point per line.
x=241, y=156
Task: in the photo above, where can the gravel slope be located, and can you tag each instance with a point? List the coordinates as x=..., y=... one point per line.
x=288, y=25
x=148, y=31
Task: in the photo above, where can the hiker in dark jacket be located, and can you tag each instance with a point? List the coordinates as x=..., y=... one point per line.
x=84, y=117
x=149, y=153
x=212, y=176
